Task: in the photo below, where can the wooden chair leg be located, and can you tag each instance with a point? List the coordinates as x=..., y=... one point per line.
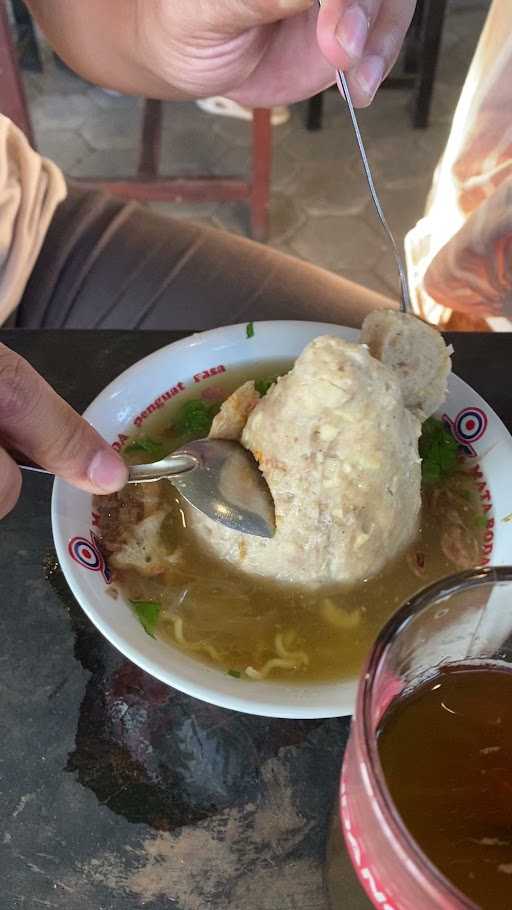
x=315, y=112
x=28, y=48
x=12, y=96
x=149, y=185
x=412, y=43
x=149, y=160
x=432, y=29
x=261, y=165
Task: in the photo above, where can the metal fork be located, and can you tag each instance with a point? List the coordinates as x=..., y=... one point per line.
x=405, y=300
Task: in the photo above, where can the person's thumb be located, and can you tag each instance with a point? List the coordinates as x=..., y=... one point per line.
x=35, y=421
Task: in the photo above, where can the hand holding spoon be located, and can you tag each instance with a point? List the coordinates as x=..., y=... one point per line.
x=216, y=476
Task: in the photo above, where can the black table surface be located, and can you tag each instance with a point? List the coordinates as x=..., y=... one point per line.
x=117, y=792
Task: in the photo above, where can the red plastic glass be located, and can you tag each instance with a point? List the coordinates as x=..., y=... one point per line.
x=466, y=617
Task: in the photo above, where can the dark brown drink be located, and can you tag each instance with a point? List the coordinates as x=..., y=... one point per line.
x=446, y=752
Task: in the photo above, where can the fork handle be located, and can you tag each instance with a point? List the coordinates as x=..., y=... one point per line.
x=405, y=300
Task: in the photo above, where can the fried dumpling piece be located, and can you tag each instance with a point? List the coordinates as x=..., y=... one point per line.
x=232, y=417
x=415, y=352
x=141, y=546
x=339, y=451
x=142, y=549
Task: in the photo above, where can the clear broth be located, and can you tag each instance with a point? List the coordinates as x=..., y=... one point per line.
x=224, y=618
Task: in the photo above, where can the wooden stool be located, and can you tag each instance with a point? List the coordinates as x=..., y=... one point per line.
x=149, y=185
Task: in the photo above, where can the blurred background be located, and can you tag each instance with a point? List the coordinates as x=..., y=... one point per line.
x=314, y=191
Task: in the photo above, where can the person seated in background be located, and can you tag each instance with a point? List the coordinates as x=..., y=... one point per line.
x=459, y=256
x=75, y=258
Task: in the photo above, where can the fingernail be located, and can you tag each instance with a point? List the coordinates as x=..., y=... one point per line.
x=107, y=471
x=352, y=31
x=369, y=75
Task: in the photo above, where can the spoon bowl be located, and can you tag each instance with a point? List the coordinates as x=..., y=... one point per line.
x=219, y=478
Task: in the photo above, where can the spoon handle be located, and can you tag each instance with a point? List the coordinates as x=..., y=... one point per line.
x=25, y=464
x=32, y=467
x=171, y=466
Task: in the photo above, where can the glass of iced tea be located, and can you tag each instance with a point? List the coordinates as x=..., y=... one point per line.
x=426, y=789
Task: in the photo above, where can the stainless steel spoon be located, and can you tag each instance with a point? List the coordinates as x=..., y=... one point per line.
x=218, y=477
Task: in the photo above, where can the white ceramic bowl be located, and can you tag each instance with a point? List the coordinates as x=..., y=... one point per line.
x=124, y=404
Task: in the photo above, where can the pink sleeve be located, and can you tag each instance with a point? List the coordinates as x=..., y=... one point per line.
x=472, y=273
x=458, y=254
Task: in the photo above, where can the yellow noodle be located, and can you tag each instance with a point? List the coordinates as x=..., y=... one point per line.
x=178, y=629
x=271, y=664
x=289, y=637
x=298, y=656
x=339, y=617
x=193, y=646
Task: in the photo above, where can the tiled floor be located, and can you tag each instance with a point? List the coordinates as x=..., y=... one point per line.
x=320, y=209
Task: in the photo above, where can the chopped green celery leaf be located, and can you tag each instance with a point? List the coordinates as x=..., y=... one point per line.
x=195, y=417
x=438, y=451
x=447, y=459
x=250, y=329
x=145, y=444
x=431, y=473
x=147, y=612
x=236, y=674
x=431, y=425
x=262, y=385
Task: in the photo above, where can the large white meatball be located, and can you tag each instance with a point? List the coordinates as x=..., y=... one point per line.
x=339, y=450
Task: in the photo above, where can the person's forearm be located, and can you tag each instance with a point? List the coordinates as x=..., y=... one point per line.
x=104, y=43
